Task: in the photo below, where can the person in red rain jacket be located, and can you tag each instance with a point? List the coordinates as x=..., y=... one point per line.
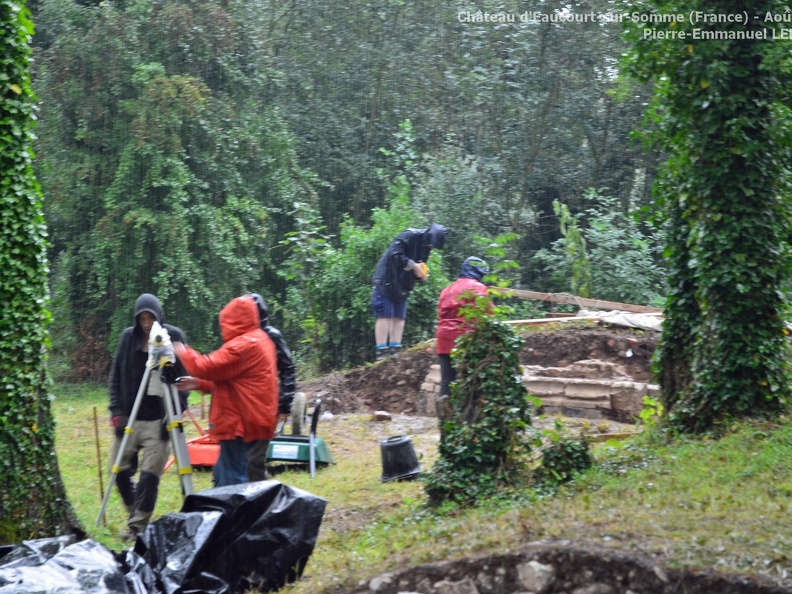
x=451, y=324
x=242, y=377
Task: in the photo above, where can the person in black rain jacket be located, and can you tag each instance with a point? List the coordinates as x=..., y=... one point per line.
x=394, y=278
x=149, y=430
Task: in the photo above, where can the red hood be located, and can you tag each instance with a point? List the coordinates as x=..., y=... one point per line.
x=238, y=317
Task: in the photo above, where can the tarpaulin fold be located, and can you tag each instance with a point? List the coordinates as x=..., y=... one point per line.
x=223, y=541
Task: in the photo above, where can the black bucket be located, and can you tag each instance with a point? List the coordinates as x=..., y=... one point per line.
x=399, y=462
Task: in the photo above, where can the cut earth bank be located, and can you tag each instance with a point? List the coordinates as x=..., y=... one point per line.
x=589, y=371
x=586, y=371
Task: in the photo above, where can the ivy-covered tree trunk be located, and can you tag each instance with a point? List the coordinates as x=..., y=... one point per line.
x=483, y=445
x=724, y=352
x=32, y=496
x=677, y=341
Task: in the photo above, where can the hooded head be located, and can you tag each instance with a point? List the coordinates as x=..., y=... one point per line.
x=474, y=268
x=238, y=317
x=148, y=303
x=436, y=235
x=262, y=308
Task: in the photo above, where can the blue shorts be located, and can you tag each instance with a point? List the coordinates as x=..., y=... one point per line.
x=385, y=308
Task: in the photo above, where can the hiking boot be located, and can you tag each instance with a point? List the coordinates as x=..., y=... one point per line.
x=394, y=350
x=382, y=354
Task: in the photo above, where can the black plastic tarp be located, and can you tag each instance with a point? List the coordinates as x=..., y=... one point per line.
x=223, y=541
x=251, y=535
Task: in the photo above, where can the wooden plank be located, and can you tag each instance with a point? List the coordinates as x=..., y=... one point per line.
x=533, y=321
x=609, y=436
x=581, y=302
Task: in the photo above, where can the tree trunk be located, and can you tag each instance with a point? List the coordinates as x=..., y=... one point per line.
x=33, y=500
x=724, y=353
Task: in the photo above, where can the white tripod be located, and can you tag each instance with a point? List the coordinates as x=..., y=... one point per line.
x=160, y=356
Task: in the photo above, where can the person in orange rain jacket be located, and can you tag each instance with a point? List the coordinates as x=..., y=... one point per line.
x=242, y=377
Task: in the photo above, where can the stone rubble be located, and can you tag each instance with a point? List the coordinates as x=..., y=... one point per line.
x=560, y=567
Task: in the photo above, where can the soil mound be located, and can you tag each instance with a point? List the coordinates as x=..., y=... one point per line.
x=631, y=349
x=394, y=384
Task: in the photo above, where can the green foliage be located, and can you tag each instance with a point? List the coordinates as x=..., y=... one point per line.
x=503, y=270
x=651, y=412
x=329, y=305
x=575, y=251
x=610, y=251
x=32, y=497
x=482, y=444
x=180, y=177
x=404, y=155
x=502, y=120
x=196, y=125
x=562, y=459
x=721, y=112
x=306, y=249
x=333, y=290
x=457, y=188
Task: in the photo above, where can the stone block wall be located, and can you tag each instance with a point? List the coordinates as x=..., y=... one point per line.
x=614, y=398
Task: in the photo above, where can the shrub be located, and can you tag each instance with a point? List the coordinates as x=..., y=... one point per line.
x=481, y=444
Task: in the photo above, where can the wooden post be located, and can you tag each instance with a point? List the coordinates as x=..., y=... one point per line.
x=575, y=300
x=99, y=463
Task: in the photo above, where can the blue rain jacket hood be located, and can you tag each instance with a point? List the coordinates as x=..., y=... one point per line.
x=474, y=268
x=435, y=236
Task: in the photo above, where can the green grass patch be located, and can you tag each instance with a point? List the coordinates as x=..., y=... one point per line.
x=713, y=503
x=76, y=436
x=710, y=503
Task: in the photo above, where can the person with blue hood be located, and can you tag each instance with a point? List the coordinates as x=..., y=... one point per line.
x=451, y=324
x=149, y=430
x=394, y=278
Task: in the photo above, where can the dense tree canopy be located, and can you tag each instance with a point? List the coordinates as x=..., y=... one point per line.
x=180, y=142
x=167, y=176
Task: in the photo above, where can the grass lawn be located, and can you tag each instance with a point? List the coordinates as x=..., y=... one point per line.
x=716, y=503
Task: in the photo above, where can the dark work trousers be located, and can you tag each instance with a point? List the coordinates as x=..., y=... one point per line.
x=257, y=460
x=447, y=374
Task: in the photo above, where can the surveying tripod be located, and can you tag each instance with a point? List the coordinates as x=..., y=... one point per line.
x=160, y=356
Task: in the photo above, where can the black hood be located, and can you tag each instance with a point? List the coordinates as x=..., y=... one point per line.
x=148, y=302
x=435, y=236
x=474, y=268
x=262, y=308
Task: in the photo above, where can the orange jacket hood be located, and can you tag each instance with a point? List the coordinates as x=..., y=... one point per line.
x=238, y=317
